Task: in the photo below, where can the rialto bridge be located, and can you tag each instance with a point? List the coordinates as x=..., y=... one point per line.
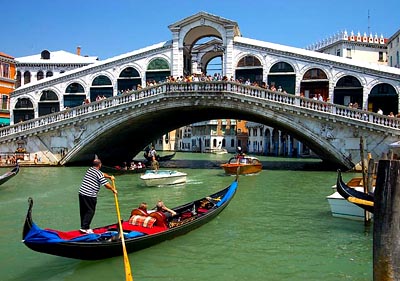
x=119, y=127
x=197, y=41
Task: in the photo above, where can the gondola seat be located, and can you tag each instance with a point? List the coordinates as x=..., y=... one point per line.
x=161, y=219
x=139, y=212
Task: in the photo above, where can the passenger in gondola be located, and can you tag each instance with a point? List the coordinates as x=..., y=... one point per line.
x=162, y=214
x=141, y=210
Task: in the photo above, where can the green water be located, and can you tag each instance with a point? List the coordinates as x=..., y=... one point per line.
x=278, y=227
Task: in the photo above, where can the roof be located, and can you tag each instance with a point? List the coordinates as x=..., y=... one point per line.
x=5, y=55
x=59, y=57
x=97, y=63
x=317, y=55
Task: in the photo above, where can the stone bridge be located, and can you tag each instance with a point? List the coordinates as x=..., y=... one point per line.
x=119, y=127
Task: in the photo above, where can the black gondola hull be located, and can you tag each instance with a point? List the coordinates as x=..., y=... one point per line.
x=347, y=192
x=108, y=249
x=7, y=176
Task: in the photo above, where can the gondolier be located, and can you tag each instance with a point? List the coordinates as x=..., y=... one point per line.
x=90, y=187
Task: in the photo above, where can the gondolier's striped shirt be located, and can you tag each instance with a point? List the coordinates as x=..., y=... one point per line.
x=92, y=181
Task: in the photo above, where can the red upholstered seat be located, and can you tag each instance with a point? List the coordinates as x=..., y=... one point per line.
x=139, y=212
x=161, y=219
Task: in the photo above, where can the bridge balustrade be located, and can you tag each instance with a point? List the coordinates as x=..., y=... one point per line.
x=202, y=87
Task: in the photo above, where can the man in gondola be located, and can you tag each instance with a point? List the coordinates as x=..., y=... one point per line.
x=90, y=187
x=153, y=156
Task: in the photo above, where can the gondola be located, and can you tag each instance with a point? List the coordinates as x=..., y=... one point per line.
x=117, y=170
x=160, y=158
x=104, y=242
x=5, y=177
x=361, y=199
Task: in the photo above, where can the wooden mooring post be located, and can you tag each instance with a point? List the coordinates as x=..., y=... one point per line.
x=386, y=238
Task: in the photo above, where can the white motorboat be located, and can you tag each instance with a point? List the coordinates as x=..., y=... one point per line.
x=163, y=177
x=342, y=208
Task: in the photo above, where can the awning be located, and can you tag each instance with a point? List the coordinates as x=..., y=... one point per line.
x=4, y=121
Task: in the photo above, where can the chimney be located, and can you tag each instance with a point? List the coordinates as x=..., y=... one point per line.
x=78, y=50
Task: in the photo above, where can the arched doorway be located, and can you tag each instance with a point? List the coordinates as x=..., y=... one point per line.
x=23, y=110
x=348, y=90
x=128, y=80
x=383, y=96
x=249, y=68
x=74, y=95
x=158, y=70
x=314, y=82
x=282, y=75
x=101, y=87
x=48, y=103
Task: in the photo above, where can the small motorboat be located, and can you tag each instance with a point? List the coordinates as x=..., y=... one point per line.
x=10, y=174
x=138, y=234
x=242, y=165
x=163, y=177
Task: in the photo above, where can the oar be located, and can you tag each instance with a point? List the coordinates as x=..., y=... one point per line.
x=128, y=273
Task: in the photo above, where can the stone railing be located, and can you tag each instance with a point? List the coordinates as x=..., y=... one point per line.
x=202, y=87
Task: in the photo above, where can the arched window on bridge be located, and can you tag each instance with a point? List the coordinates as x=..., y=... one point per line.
x=40, y=75
x=27, y=77
x=314, y=82
x=348, y=90
x=23, y=110
x=249, y=67
x=18, y=82
x=128, y=80
x=49, y=73
x=48, y=103
x=282, y=74
x=101, y=87
x=74, y=95
x=383, y=96
x=157, y=70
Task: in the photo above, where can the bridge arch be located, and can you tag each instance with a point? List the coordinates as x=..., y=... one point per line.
x=74, y=94
x=283, y=74
x=383, y=96
x=348, y=89
x=102, y=85
x=314, y=81
x=128, y=79
x=49, y=102
x=23, y=109
x=193, y=32
x=249, y=66
x=158, y=68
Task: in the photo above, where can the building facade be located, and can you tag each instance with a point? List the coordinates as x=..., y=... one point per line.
x=7, y=84
x=394, y=50
x=365, y=48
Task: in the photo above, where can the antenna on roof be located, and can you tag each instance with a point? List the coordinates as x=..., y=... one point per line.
x=369, y=27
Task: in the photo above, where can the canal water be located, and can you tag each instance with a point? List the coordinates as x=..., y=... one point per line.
x=278, y=227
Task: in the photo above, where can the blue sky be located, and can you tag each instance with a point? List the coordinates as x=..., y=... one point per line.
x=110, y=28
